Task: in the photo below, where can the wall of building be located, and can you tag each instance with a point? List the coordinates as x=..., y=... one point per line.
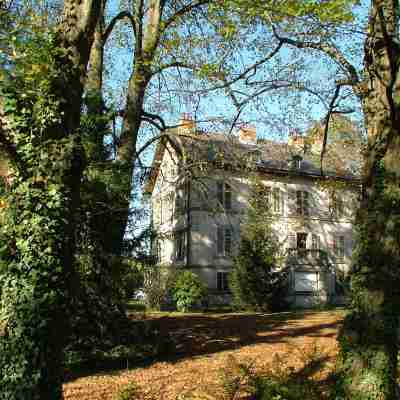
x=206, y=215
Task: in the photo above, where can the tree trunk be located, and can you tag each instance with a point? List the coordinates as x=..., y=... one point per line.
x=40, y=276
x=145, y=48
x=369, y=338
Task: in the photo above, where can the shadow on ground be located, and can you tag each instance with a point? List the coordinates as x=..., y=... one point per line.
x=194, y=335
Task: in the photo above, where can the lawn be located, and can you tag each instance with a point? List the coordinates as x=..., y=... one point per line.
x=205, y=344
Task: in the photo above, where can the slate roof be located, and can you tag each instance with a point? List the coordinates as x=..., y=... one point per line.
x=341, y=161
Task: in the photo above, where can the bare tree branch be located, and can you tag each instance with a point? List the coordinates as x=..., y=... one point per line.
x=118, y=17
x=327, y=119
x=329, y=49
x=184, y=10
x=176, y=64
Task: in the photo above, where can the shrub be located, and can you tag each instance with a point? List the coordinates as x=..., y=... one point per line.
x=129, y=392
x=188, y=291
x=158, y=283
x=257, y=282
x=281, y=382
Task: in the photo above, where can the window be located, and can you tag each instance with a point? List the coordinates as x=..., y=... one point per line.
x=338, y=247
x=161, y=211
x=157, y=212
x=336, y=205
x=302, y=203
x=224, y=195
x=180, y=200
x=277, y=201
x=157, y=251
x=315, y=242
x=222, y=281
x=170, y=205
x=180, y=245
x=295, y=162
x=305, y=281
x=301, y=240
x=224, y=240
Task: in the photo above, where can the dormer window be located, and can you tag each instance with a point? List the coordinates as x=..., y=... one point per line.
x=295, y=162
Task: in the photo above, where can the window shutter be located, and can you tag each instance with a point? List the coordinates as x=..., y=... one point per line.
x=341, y=247
x=340, y=207
x=291, y=240
x=161, y=211
x=228, y=197
x=171, y=201
x=277, y=201
x=220, y=194
x=292, y=202
x=268, y=198
x=299, y=203
x=219, y=280
x=220, y=240
x=334, y=246
x=228, y=241
x=307, y=201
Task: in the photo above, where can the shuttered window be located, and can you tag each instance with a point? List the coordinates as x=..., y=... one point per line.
x=180, y=245
x=222, y=281
x=301, y=240
x=315, y=242
x=224, y=240
x=277, y=201
x=338, y=247
x=336, y=205
x=224, y=195
x=302, y=203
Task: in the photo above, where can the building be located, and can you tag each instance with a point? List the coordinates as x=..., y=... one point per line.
x=199, y=187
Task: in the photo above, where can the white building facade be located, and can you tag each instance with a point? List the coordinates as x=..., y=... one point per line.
x=200, y=187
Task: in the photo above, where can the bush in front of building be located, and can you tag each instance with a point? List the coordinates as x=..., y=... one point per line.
x=158, y=282
x=188, y=291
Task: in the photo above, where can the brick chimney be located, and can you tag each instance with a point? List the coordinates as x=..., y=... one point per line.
x=186, y=124
x=248, y=134
x=296, y=140
x=316, y=144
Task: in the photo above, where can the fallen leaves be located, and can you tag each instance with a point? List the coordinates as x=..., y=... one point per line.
x=204, y=345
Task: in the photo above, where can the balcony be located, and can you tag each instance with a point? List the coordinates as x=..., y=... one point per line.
x=306, y=257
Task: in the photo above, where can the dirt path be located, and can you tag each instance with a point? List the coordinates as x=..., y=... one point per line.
x=206, y=344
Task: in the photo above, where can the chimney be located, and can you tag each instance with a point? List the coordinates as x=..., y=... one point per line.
x=186, y=124
x=248, y=134
x=316, y=144
x=296, y=140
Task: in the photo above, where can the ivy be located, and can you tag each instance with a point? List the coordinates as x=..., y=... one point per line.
x=37, y=270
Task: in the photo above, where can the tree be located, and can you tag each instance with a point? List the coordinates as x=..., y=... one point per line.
x=41, y=90
x=257, y=280
x=150, y=22
x=369, y=338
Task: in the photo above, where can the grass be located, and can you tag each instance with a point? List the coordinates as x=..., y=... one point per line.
x=203, y=344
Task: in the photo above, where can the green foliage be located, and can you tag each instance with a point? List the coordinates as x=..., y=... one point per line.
x=280, y=382
x=332, y=11
x=158, y=283
x=129, y=392
x=36, y=266
x=257, y=282
x=188, y=291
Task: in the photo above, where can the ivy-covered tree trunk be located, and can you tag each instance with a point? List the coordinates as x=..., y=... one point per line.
x=40, y=109
x=369, y=338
